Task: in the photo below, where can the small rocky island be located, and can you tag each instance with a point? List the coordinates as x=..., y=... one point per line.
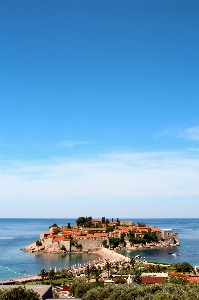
x=90, y=235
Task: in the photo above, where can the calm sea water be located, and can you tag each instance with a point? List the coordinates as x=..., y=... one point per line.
x=18, y=233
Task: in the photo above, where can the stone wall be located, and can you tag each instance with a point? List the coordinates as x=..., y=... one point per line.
x=169, y=236
x=91, y=244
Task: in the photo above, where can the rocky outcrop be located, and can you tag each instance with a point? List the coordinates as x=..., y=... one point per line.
x=44, y=249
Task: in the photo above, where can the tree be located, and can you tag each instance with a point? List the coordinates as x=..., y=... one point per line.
x=177, y=280
x=63, y=248
x=54, y=225
x=108, y=267
x=104, y=244
x=18, y=293
x=141, y=224
x=79, y=287
x=96, y=272
x=51, y=275
x=43, y=275
x=132, y=263
x=137, y=276
x=85, y=222
x=183, y=267
x=38, y=243
x=69, y=226
x=88, y=271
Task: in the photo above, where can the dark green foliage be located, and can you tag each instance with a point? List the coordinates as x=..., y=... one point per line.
x=103, y=220
x=141, y=224
x=148, y=237
x=79, y=287
x=177, y=280
x=63, y=248
x=84, y=222
x=68, y=225
x=56, y=230
x=109, y=229
x=38, y=243
x=96, y=272
x=19, y=293
x=115, y=242
x=107, y=221
x=167, y=291
x=183, y=267
x=51, y=275
x=43, y=275
x=137, y=276
x=54, y=225
x=104, y=244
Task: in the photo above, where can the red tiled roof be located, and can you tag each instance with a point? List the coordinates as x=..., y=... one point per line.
x=152, y=280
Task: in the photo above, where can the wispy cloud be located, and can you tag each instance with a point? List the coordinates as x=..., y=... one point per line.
x=133, y=179
x=192, y=133
x=70, y=143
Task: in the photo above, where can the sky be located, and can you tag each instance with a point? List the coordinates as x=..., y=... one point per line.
x=99, y=108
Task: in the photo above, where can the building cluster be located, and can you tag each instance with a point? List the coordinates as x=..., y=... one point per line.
x=80, y=238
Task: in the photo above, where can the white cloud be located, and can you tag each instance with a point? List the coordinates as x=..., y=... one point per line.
x=119, y=179
x=192, y=133
x=70, y=143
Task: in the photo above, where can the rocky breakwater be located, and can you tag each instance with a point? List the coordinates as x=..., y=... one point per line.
x=41, y=248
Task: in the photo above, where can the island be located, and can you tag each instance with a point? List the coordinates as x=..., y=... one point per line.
x=91, y=235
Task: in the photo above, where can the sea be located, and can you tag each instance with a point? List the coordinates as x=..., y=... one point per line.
x=16, y=234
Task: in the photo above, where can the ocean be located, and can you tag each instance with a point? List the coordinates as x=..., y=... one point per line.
x=18, y=233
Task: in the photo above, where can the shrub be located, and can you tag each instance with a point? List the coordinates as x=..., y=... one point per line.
x=38, y=243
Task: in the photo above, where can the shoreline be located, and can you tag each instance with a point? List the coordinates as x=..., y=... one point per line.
x=104, y=255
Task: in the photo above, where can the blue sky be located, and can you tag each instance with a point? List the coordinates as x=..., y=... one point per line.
x=99, y=108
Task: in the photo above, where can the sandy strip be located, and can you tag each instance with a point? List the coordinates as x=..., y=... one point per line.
x=110, y=254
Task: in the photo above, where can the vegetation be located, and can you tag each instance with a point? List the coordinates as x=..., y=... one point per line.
x=141, y=224
x=43, y=275
x=115, y=242
x=80, y=287
x=183, y=267
x=63, y=248
x=104, y=244
x=56, y=230
x=148, y=237
x=167, y=291
x=54, y=225
x=84, y=222
x=18, y=293
x=51, y=275
x=38, y=243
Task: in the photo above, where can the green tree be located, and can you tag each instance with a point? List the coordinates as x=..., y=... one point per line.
x=54, y=225
x=177, y=280
x=132, y=263
x=63, y=248
x=38, y=243
x=104, y=244
x=18, y=293
x=43, y=275
x=69, y=226
x=141, y=224
x=137, y=276
x=88, y=271
x=96, y=272
x=183, y=267
x=108, y=267
x=79, y=287
x=51, y=275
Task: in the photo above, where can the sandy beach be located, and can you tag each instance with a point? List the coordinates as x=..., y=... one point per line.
x=104, y=253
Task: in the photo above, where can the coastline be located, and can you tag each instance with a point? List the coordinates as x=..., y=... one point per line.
x=104, y=256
